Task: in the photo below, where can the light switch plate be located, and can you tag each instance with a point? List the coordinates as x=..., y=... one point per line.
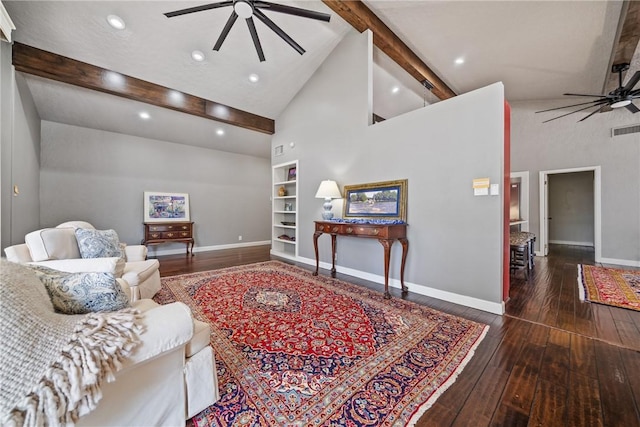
x=494, y=190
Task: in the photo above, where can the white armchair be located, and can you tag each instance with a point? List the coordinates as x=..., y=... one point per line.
x=57, y=248
x=169, y=378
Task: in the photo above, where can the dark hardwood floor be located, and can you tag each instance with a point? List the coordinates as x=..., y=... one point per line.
x=551, y=360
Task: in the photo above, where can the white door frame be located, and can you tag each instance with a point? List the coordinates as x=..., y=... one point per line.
x=597, y=208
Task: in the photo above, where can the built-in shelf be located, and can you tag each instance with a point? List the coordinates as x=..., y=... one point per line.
x=284, y=209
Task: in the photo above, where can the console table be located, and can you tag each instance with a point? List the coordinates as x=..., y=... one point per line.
x=385, y=233
x=156, y=233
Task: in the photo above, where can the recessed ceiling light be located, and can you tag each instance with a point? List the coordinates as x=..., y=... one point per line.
x=197, y=56
x=253, y=78
x=116, y=22
x=459, y=61
x=395, y=89
x=220, y=132
x=144, y=115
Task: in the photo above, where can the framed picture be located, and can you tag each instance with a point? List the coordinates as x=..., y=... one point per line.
x=291, y=176
x=384, y=200
x=166, y=207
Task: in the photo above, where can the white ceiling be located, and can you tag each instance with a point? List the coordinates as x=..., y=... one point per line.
x=538, y=49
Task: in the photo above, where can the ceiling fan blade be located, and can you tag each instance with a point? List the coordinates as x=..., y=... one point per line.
x=225, y=30
x=256, y=40
x=573, y=112
x=581, y=94
x=594, y=112
x=632, y=108
x=290, y=10
x=593, y=103
x=269, y=23
x=633, y=81
x=198, y=9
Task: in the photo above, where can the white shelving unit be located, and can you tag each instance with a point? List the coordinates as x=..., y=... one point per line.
x=284, y=216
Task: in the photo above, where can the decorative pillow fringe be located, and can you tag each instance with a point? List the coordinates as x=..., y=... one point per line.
x=71, y=387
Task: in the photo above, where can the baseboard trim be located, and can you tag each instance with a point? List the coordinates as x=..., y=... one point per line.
x=491, y=307
x=283, y=255
x=567, y=242
x=625, y=262
x=153, y=252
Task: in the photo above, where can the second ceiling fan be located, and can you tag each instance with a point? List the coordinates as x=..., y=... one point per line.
x=247, y=9
x=622, y=96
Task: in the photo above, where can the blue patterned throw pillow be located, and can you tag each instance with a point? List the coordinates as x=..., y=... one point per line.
x=98, y=243
x=81, y=293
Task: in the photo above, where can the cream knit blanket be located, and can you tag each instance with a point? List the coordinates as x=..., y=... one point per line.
x=52, y=365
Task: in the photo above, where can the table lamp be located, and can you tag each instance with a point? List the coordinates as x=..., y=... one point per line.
x=328, y=190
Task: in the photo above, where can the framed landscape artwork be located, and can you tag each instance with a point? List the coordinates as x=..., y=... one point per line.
x=384, y=200
x=166, y=207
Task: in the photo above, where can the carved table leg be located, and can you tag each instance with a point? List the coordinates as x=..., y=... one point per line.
x=405, y=249
x=386, y=244
x=333, y=256
x=315, y=247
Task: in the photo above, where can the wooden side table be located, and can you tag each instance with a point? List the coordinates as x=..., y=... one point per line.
x=156, y=233
x=385, y=233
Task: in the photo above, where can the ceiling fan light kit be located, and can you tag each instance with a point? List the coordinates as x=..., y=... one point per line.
x=622, y=97
x=247, y=9
x=620, y=104
x=243, y=9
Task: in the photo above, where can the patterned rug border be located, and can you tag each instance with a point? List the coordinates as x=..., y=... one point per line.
x=587, y=287
x=356, y=291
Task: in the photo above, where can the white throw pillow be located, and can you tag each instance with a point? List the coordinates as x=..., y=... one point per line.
x=52, y=243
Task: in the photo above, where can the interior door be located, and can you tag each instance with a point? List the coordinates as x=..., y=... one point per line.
x=545, y=240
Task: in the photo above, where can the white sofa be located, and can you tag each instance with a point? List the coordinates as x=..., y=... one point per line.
x=169, y=377
x=57, y=248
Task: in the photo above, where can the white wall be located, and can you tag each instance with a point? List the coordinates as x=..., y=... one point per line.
x=20, y=154
x=100, y=177
x=571, y=208
x=565, y=144
x=455, y=238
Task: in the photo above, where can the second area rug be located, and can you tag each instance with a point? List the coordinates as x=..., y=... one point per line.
x=610, y=286
x=297, y=350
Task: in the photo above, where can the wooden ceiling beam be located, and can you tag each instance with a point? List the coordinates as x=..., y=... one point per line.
x=361, y=18
x=56, y=67
x=628, y=39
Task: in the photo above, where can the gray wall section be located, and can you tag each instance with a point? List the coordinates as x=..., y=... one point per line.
x=20, y=145
x=6, y=126
x=100, y=177
x=455, y=238
x=571, y=208
x=565, y=144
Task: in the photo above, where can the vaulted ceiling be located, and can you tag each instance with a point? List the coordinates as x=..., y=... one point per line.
x=539, y=50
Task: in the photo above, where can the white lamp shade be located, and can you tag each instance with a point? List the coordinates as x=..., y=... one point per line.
x=328, y=190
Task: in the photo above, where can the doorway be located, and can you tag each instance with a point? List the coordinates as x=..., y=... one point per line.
x=564, y=212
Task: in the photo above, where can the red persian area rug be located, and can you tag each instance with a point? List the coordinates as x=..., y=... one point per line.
x=610, y=286
x=297, y=350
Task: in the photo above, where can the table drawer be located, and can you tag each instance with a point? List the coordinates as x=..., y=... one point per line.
x=328, y=228
x=380, y=232
x=169, y=227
